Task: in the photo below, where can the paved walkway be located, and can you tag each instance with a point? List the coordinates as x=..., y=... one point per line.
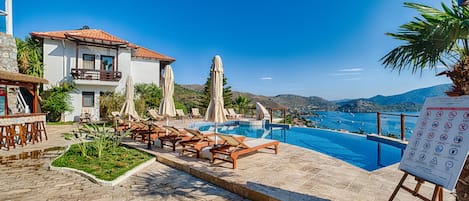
x=294, y=174
x=24, y=175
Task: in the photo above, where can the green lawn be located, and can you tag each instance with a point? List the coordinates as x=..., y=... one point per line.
x=108, y=167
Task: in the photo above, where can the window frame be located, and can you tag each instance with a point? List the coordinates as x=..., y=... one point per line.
x=94, y=61
x=87, y=93
x=113, y=63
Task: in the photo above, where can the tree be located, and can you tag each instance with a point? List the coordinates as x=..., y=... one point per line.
x=57, y=100
x=148, y=96
x=110, y=101
x=29, y=57
x=227, y=94
x=436, y=37
x=242, y=104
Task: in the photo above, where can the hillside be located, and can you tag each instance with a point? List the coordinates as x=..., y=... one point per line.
x=193, y=90
x=264, y=100
x=301, y=103
x=409, y=101
x=415, y=96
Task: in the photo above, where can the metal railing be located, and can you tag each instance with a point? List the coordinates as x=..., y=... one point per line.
x=91, y=74
x=402, y=121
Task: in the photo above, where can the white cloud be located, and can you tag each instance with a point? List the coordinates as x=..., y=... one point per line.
x=345, y=74
x=351, y=70
x=266, y=78
x=352, y=78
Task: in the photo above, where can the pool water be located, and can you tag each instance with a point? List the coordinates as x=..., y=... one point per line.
x=353, y=149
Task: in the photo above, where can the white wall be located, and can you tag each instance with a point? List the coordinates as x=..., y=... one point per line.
x=145, y=71
x=77, y=102
x=59, y=59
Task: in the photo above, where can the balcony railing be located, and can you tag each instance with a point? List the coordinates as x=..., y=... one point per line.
x=90, y=74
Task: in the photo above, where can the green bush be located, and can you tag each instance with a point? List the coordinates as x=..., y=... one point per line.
x=110, y=102
x=57, y=100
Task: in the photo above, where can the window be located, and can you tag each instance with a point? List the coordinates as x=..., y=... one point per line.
x=88, y=99
x=107, y=63
x=88, y=61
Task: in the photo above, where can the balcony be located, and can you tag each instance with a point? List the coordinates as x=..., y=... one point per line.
x=96, y=77
x=90, y=74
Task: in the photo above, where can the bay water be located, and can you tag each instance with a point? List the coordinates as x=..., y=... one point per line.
x=365, y=123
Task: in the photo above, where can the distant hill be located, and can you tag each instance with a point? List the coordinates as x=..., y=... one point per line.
x=415, y=96
x=295, y=102
x=409, y=101
x=195, y=89
x=359, y=105
x=264, y=100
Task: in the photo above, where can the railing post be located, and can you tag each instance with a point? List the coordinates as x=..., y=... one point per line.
x=402, y=127
x=378, y=122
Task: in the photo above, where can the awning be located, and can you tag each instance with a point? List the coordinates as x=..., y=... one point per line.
x=6, y=76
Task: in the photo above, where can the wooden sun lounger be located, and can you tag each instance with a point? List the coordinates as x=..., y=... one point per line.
x=201, y=140
x=154, y=115
x=140, y=131
x=233, y=148
x=174, y=136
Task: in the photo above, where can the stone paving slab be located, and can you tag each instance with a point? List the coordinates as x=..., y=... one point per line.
x=294, y=174
x=26, y=178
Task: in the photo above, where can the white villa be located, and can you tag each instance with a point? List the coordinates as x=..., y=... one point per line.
x=97, y=62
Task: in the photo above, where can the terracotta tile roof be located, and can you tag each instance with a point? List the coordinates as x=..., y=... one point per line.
x=82, y=34
x=99, y=36
x=149, y=54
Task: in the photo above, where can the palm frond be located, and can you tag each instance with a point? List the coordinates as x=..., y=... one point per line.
x=433, y=37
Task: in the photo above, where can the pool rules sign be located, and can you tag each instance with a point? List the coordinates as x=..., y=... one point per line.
x=439, y=144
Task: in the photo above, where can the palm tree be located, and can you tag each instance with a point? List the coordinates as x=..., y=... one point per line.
x=29, y=57
x=436, y=37
x=242, y=103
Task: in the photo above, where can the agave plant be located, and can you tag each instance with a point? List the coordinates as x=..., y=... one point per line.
x=437, y=37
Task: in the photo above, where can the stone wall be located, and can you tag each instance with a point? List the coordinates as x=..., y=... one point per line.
x=8, y=62
x=8, y=53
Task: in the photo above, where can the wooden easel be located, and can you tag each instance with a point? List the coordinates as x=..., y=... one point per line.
x=437, y=192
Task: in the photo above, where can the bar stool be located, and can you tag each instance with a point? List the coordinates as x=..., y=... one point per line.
x=16, y=133
x=40, y=128
x=4, y=129
x=30, y=132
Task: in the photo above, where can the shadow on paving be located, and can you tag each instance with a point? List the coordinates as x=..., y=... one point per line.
x=283, y=194
x=170, y=183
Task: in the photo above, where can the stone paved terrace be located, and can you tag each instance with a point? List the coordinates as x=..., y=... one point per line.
x=30, y=179
x=294, y=174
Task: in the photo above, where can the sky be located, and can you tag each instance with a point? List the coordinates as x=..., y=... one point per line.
x=330, y=49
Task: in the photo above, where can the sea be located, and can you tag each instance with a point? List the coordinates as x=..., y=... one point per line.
x=365, y=123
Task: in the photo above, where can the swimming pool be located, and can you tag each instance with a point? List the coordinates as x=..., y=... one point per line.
x=354, y=149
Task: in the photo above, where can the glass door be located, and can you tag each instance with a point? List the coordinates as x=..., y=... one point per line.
x=107, y=67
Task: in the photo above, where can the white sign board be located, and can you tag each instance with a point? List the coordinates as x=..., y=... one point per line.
x=439, y=144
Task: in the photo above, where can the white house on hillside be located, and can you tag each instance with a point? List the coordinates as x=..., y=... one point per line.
x=97, y=62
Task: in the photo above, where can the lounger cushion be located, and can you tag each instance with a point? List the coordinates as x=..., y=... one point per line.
x=257, y=142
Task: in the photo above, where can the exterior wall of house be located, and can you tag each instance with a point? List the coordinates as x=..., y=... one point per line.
x=145, y=71
x=58, y=55
x=60, y=58
x=77, y=102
